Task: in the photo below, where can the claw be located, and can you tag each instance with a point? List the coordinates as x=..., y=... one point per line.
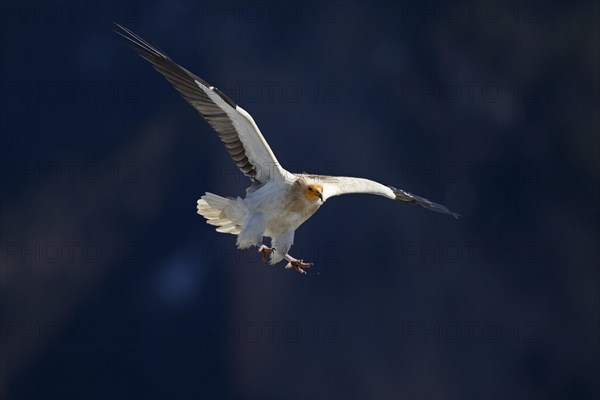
x=265, y=252
x=298, y=265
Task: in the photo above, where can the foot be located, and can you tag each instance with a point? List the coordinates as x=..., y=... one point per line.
x=298, y=265
x=265, y=252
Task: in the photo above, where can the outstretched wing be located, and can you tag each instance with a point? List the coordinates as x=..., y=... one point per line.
x=339, y=185
x=233, y=124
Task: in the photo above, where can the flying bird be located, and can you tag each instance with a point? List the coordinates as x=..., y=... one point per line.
x=278, y=201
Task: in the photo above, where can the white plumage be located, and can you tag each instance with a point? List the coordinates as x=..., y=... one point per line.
x=278, y=201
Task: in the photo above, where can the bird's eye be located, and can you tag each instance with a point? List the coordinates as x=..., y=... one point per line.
x=309, y=188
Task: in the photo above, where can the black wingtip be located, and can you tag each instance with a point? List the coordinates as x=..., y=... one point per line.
x=410, y=198
x=141, y=46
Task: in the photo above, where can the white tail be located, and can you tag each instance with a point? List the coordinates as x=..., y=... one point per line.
x=225, y=214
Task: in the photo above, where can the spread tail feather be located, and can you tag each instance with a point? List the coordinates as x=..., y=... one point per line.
x=221, y=212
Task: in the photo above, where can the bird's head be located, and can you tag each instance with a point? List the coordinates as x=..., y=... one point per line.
x=313, y=192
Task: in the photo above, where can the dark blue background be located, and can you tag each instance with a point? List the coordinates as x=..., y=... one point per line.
x=113, y=286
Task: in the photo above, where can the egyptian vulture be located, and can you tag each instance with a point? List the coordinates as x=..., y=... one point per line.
x=278, y=201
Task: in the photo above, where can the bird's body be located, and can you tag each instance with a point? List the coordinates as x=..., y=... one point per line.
x=275, y=210
x=278, y=201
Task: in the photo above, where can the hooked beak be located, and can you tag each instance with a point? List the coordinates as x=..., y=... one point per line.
x=321, y=195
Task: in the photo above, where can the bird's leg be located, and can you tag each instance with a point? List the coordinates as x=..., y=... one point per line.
x=298, y=265
x=265, y=251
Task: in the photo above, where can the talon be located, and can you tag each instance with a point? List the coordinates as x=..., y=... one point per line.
x=298, y=265
x=265, y=252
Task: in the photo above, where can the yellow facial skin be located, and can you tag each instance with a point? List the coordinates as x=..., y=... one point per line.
x=313, y=192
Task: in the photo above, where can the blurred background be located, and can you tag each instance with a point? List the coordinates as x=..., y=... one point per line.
x=113, y=287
